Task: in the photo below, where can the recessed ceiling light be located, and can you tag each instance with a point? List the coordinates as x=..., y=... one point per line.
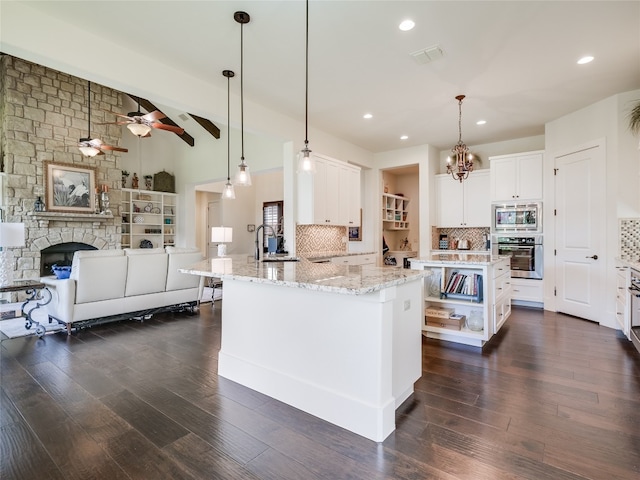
x=584, y=60
x=367, y=115
x=481, y=122
x=404, y=137
x=406, y=25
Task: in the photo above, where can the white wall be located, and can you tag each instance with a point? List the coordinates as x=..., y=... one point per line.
x=603, y=121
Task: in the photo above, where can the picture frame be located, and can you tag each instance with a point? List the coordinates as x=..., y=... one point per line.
x=355, y=233
x=70, y=188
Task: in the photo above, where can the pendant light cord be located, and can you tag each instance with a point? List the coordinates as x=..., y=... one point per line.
x=460, y=120
x=242, y=90
x=229, y=124
x=89, y=114
x=306, y=81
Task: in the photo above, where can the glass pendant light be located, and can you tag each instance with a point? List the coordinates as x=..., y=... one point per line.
x=306, y=164
x=243, y=176
x=228, y=192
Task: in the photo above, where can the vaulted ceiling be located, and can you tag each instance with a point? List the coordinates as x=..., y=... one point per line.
x=515, y=60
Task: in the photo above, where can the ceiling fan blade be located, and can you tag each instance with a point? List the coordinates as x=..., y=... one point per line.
x=170, y=128
x=120, y=114
x=111, y=147
x=154, y=116
x=113, y=123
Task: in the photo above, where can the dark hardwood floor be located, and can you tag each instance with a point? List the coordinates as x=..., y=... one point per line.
x=550, y=397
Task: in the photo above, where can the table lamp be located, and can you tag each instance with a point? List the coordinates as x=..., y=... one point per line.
x=221, y=236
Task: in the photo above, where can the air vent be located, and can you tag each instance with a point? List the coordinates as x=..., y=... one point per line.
x=428, y=54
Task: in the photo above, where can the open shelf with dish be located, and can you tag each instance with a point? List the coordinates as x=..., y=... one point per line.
x=395, y=212
x=148, y=219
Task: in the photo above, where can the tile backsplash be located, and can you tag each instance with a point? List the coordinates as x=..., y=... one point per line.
x=473, y=235
x=320, y=238
x=630, y=238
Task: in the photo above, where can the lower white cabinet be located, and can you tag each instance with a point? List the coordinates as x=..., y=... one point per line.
x=502, y=288
x=368, y=259
x=527, y=290
x=623, y=306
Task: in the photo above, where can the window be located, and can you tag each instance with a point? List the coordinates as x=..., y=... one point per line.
x=273, y=216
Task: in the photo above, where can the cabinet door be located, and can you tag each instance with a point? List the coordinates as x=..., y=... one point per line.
x=503, y=172
x=320, y=207
x=477, y=200
x=529, y=180
x=353, y=186
x=449, y=201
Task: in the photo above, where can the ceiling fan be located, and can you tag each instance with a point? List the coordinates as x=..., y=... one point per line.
x=90, y=147
x=140, y=124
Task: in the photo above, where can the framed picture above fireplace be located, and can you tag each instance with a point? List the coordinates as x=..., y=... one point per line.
x=70, y=188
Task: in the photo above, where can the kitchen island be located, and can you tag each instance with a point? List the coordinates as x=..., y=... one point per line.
x=486, y=296
x=340, y=342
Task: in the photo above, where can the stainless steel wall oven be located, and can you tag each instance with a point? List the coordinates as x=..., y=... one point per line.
x=526, y=252
x=634, y=290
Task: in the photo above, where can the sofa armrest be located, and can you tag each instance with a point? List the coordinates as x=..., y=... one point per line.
x=63, y=298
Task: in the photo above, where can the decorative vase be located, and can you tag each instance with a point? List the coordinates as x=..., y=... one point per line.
x=104, y=203
x=475, y=321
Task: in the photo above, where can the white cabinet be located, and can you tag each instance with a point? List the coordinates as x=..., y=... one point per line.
x=516, y=177
x=395, y=212
x=365, y=259
x=623, y=306
x=465, y=204
x=527, y=290
x=327, y=196
x=490, y=297
x=148, y=215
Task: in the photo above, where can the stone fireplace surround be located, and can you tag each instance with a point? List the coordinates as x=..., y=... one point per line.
x=43, y=113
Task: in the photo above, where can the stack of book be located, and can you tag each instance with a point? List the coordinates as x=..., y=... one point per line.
x=464, y=284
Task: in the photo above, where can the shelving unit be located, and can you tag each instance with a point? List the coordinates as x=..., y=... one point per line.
x=395, y=212
x=491, y=298
x=148, y=215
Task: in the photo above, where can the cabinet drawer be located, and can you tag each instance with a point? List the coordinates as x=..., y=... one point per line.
x=527, y=290
x=501, y=268
x=502, y=285
x=501, y=312
x=355, y=260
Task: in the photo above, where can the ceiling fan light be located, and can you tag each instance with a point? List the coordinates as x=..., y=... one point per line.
x=243, y=175
x=89, y=151
x=139, y=129
x=228, y=192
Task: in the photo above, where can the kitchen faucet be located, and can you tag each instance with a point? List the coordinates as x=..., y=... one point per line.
x=257, y=255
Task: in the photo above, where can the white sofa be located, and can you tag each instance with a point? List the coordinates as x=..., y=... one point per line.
x=108, y=285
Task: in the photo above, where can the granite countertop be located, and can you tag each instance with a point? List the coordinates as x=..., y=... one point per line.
x=323, y=277
x=331, y=254
x=455, y=257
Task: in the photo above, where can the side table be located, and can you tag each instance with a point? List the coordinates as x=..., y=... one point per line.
x=38, y=296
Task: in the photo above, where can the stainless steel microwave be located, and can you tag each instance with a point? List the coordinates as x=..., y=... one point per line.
x=518, y=217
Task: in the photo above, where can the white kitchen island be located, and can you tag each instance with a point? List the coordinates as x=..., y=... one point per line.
x=340, y=342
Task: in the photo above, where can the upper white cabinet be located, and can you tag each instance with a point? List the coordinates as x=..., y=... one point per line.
x=465, y=204
x=516, y=177
x=331, y=196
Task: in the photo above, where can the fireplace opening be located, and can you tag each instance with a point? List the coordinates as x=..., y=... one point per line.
x=60, y=254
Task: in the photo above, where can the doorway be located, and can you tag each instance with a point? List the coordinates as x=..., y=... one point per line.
x=580, y=240
x=213, y=220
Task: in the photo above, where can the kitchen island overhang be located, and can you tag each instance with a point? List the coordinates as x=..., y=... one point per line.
x=342, y=343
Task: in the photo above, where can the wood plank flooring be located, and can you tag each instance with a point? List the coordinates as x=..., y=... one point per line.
x=550, y=397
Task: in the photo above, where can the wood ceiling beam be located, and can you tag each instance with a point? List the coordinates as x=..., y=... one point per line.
x=207, y=124
x=150, y=107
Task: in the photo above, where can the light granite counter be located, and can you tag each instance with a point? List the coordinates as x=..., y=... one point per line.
x=341, y=342
x=323, y=277
x=451, y=257
x=316, y=256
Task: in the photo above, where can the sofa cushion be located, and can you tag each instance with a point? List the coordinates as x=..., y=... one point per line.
x=143, y=251
x=177, y=280
x=99, y=275
x=147, y=273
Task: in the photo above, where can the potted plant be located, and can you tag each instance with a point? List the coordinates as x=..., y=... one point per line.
x=125, y=174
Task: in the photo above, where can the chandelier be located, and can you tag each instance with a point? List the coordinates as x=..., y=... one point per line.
x=463, y=159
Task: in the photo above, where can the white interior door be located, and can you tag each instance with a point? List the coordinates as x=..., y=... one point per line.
x=213, y=220
x=580, y=237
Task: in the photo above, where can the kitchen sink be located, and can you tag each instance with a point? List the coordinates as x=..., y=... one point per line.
x=277, y=258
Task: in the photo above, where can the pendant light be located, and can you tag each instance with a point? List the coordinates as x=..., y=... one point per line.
x=138, y=129
x=463, y=159
x=243, y=177
x=228, y=191
x=84, y=145
x=305, y=160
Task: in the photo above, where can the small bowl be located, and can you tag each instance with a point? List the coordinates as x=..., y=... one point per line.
x=61, y=272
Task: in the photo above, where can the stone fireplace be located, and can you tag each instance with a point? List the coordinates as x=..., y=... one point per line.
x=43, y=113
x=60, y=255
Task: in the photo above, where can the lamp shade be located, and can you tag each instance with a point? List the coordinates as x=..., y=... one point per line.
x=11, y=234
x=139, y=129
x=221, y=234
